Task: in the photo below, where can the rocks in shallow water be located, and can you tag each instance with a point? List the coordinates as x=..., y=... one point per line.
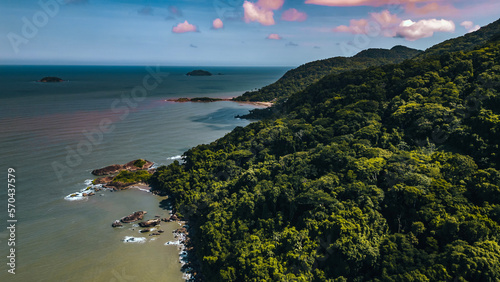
x=116, y=223
x=149, y=223
x=160, y=231
x=138, y=215
x=144, y=230
x=154, y=234
x=103, y=180
x=174, y=218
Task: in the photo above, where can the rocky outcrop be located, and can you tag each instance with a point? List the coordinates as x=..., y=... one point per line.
x=117, y=185
x=116, y=223
x=149, y=223
x=130, y=166
x=138, y=215
x=103, y=180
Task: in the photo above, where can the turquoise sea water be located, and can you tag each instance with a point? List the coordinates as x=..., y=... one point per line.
x=54, y=135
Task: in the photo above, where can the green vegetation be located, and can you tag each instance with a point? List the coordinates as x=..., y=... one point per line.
x=130, y=177
x=205, y=99
x=139, y=163
x=298, y=79
x=391, y=173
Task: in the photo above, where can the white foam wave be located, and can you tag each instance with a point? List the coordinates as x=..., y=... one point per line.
x=75, y=197
x=176, y=243
x=83, y=194
x=178, y=157
x=131, y=239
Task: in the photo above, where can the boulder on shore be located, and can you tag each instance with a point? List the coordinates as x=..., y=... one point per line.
x=116, y=223
x=149, y=223
x=138, y=215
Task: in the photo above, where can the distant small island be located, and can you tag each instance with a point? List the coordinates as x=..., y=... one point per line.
x=199, y=99
x=199, y=73
x=51, y=79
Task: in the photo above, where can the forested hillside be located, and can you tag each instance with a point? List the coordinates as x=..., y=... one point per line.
x=298, y=79
x=386, y=174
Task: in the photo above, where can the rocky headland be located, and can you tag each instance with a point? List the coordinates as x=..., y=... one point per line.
x=134, y=165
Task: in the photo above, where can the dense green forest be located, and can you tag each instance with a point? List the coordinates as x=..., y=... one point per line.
x=391, y=173
x=298, y=79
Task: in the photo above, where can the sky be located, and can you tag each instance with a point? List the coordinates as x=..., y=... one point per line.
x=225, y=32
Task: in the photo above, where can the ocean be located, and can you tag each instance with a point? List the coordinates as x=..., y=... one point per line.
x=54, y=134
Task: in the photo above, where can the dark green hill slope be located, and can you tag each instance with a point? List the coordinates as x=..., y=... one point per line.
x=384, y=174
x=299, y=78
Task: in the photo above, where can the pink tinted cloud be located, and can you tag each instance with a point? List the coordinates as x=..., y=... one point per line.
x=412, y=31
x=384, y=21
x=217, y=23
x=355, y=27
x=274, y=36
x=292, y=15
x=388, y=25
x=469, y=26
x=270, y=4
x=431, y=9
x=349, y=3
x=254, y=13
x=184, y=27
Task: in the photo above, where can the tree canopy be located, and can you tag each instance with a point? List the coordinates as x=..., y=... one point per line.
x=390, y=173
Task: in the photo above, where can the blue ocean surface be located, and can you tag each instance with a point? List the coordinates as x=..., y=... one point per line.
x=54, y=134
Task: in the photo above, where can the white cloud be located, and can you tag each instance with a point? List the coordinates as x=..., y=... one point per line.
x=389, y=25
x=412, y=31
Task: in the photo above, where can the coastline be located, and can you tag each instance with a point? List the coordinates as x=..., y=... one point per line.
x=211, y=100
